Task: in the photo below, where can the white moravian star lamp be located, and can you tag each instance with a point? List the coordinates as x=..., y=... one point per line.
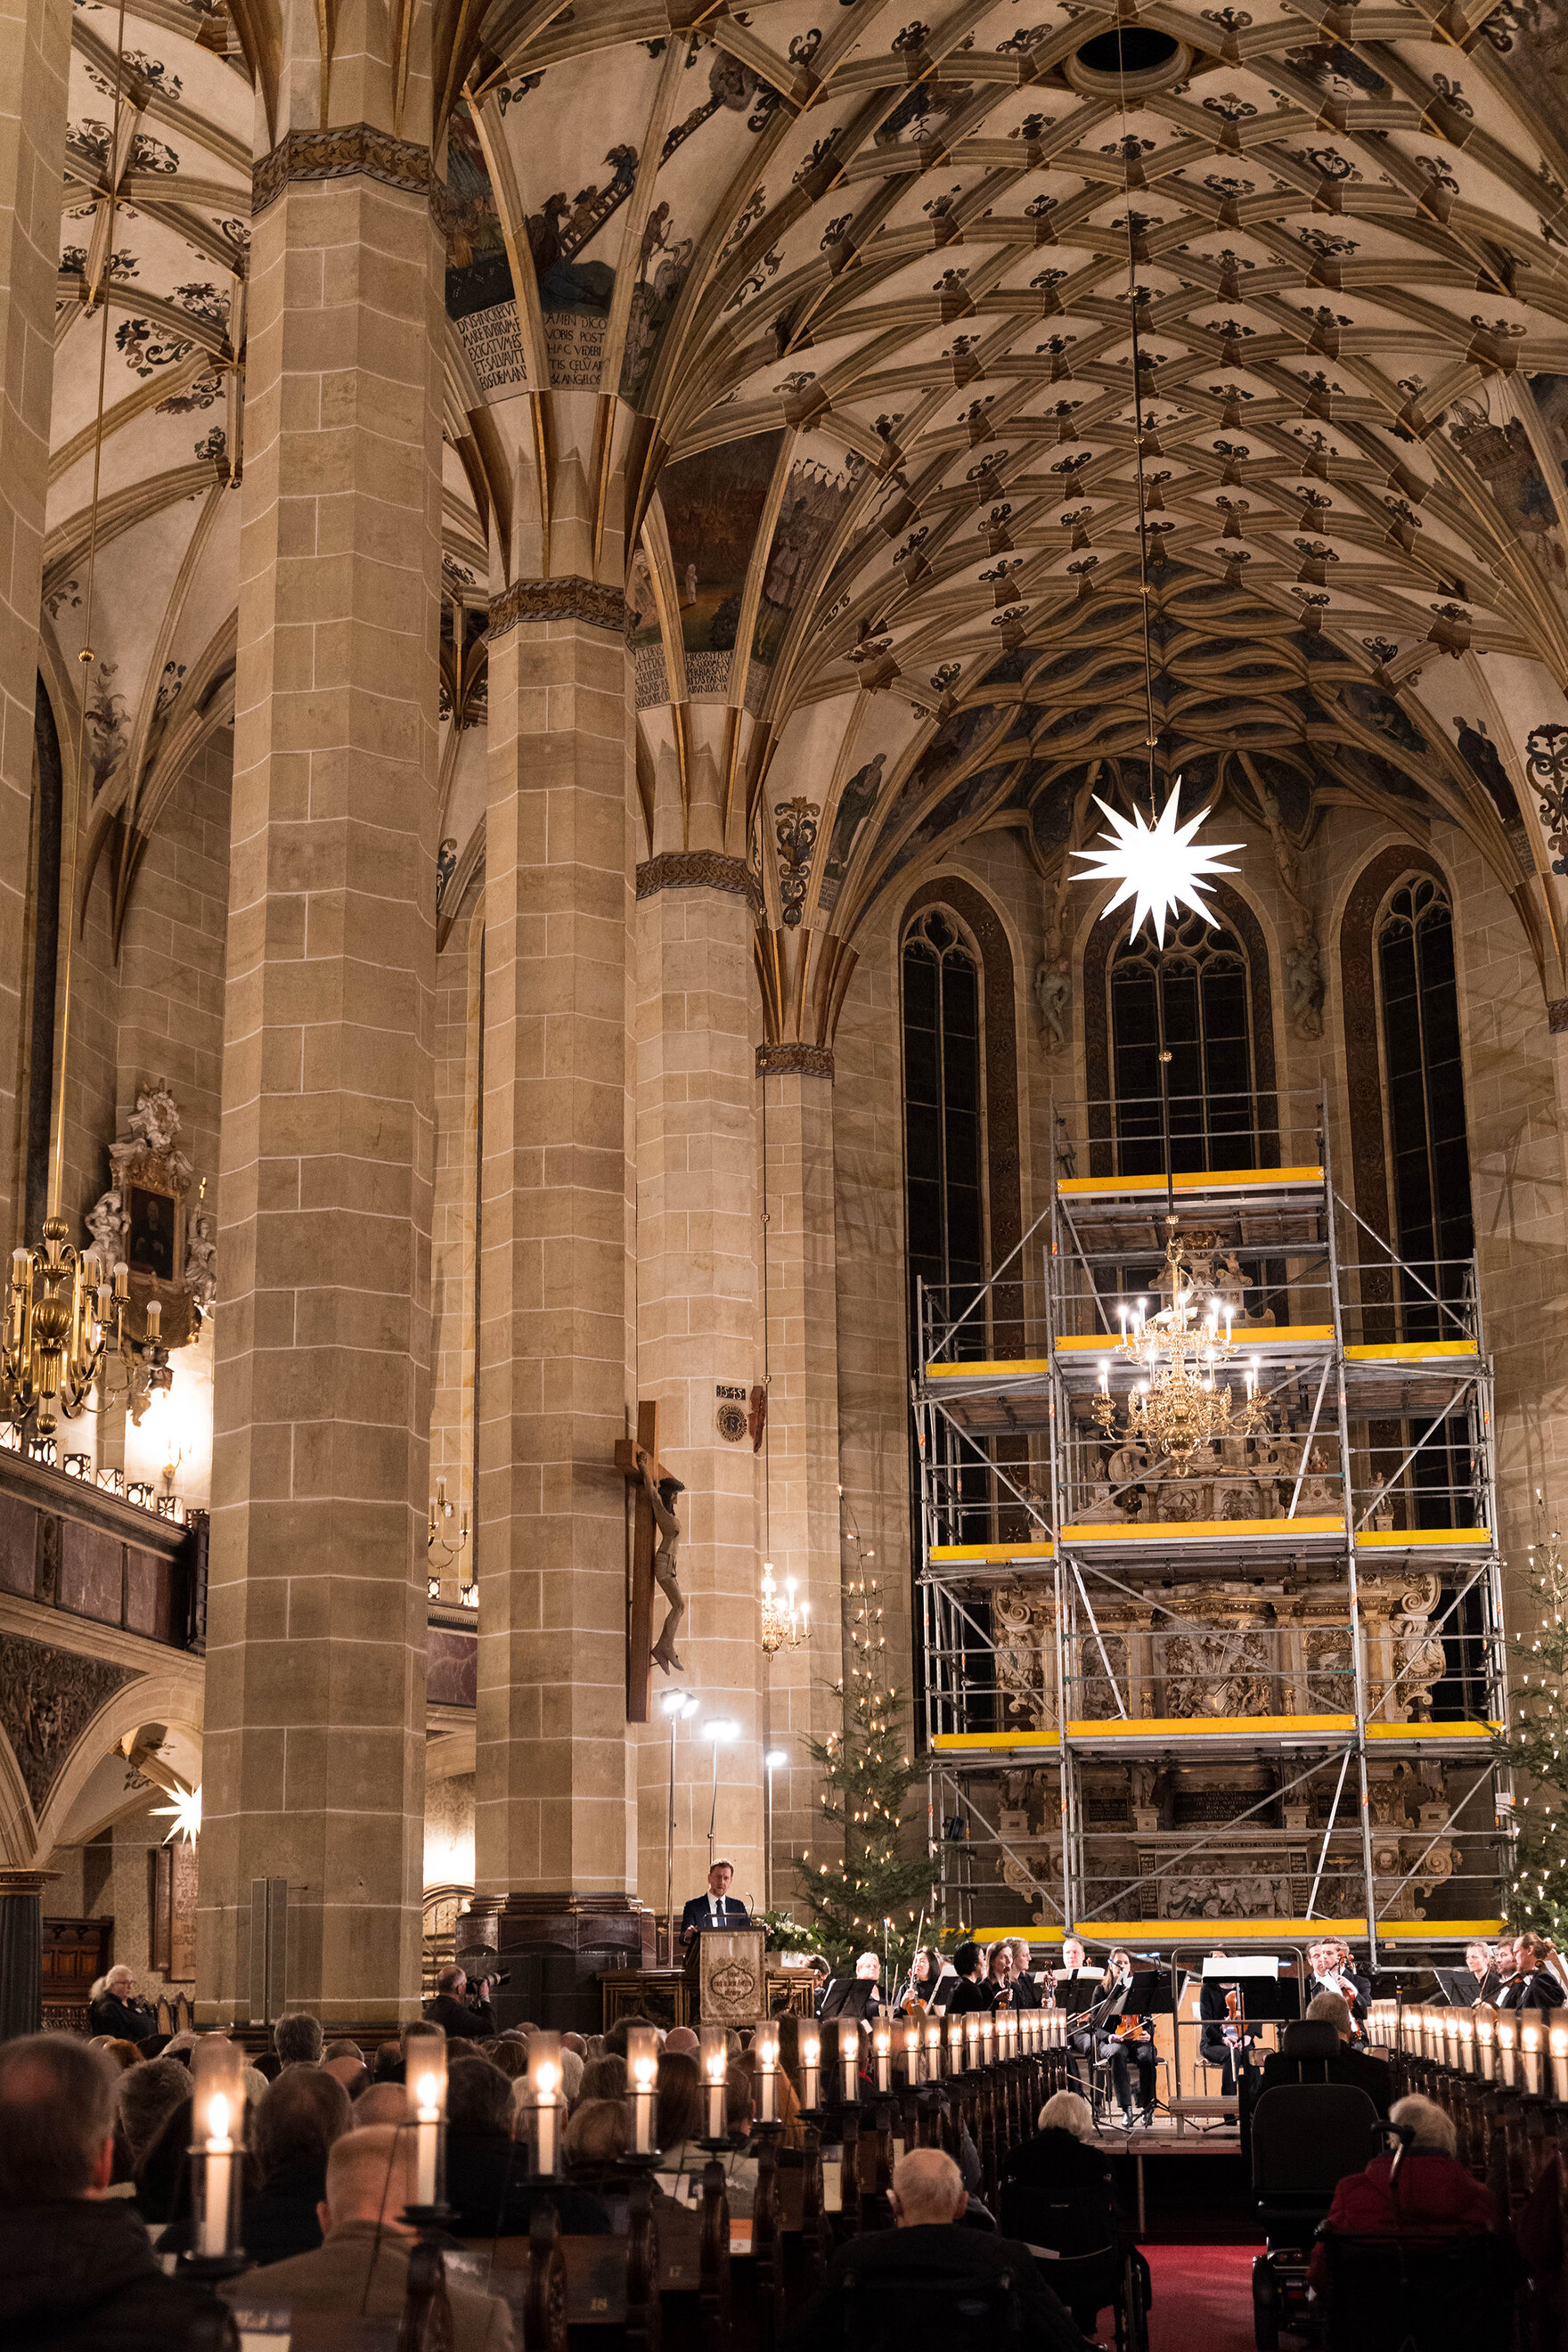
x=1160, y=868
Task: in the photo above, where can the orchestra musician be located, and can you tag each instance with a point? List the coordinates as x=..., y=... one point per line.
x=1225, y=2040
x=1026, y=1992
x=1126, y=2040
x=1075, y=1970
x=1329, y=1963
x=920, y=1990
x=1535, y=1983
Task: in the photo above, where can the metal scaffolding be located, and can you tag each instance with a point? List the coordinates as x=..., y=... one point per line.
x=1317, y=1608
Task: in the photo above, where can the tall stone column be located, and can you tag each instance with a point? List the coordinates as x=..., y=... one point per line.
x=35, y=54
x=796, y=1082
x=314, y=1759
x=555, y=1828
x=698, y=1337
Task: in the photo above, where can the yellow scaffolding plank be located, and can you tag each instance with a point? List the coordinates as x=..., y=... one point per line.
x=1194, y=1530
x=949, y=1743
x=993, y=1554
x=1406, y=1351
x=1211, y=1179
x=1261, y=1335
x=994, y=1369
x=1432, y=1730
x=1439, y=1931
x=1208, y=1727
x=1032, y=1934
x=1424, y=1538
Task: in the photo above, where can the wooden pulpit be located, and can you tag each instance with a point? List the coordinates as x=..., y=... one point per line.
x=727, y=1968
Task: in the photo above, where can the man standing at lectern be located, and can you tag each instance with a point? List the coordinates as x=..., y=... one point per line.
x=716, y=1908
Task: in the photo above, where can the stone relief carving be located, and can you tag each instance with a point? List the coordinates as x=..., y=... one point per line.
x=47, y=1697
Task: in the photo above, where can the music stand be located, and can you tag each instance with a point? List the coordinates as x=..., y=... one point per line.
x=1082, y=1993
x=847, y=1997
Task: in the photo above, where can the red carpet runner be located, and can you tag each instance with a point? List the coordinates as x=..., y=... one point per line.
x=1203, y=2299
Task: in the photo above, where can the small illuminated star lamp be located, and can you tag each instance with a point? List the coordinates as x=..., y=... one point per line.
x=185, y=1813
x=1160, y=868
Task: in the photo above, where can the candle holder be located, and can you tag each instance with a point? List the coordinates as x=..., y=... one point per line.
x=713, y=2058
x=1486, y=2048
x=810, y=2068
x=1530, y=2054
x=956, y=2045
x=765, y=2051
x=911, y=2038
x=642, y=2085
x=849, y=2060
x=933, y=2051
x=882, y=2050
x=1466, y=2042
x=546, y=2105
x=426, y=2073
x=217, y=2157
x=1507, y=2050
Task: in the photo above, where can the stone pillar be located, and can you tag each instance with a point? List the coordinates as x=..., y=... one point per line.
x=315, y=1707
x=555, y=1830
x=21, y=1949
x=796, y=1083
x=35, y=54
x=699, y=1334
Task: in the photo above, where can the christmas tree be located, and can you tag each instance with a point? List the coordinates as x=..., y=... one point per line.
x=864, y=1893
x=1536, y=1745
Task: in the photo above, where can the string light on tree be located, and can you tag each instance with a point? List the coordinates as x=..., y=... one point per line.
x=1160, y=868
x=1534, y=1745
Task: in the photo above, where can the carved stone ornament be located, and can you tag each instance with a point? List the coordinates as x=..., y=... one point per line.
x=48, y=1698
x=141, y=1218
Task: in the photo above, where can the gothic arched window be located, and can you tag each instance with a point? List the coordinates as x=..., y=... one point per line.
x=943, y=1140
x=1204, y=996
x=1424, y=1086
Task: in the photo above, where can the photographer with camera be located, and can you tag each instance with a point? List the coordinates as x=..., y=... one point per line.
x=465, y=2016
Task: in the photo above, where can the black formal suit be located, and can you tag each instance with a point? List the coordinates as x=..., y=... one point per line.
x=1362, y=2000
x=713, y=1911
x=1025, y=1993
x=972, y=1997
x=1538, y=1990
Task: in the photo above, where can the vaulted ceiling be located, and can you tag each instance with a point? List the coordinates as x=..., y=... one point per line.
x=953, y=345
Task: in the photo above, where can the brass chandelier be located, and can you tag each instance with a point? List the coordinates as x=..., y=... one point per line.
x=1179, y=1408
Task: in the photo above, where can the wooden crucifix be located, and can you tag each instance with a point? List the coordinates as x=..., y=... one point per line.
x=654, y=1563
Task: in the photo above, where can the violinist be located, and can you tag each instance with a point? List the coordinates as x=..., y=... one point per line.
x=1534, y=1984
x=1126, y=2040
x=1225, y=2037
x=1329, y=1963
x=918, y=1993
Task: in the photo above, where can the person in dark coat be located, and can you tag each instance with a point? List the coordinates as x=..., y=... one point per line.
x=1534, y=1985
x=305, y=2112
x=973, y=1992
x=116, y=2012
x=78, y=2272
x=1058, y=2191
x=462, y=2016
x=488, y=2183
x=930, y=2246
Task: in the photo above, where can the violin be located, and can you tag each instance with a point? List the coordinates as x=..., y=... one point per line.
x=1232, y=2028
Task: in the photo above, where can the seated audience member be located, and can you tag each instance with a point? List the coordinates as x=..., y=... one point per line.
x=344, y=2062
x=615, y=2040
x=303, y=2116
x=78, y=2272
x=386, y=2064
x=680, y=2125
x=1351, y=2065
x=464, y=2013
x=571, y=2076
x=596, y=2137
x=603, y=2078
x=488, y=2171
x=162, y=2180
x=1063, y=2166
x=297, y=2038
x=144, y=2098
x=362, y=2262
x=383, y=2103
x=929, y=2246
x=509, y=2052
x=1432, y=2191
x=577, y=2042
x=116, y=2055
x=681, y=2040
x=114, y=2010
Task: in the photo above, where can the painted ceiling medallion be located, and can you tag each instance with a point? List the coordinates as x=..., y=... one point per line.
x=1161, y=866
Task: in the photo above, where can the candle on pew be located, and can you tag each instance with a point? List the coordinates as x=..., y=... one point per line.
x=545, y=2077
x=714, y=2059
x=882, y=2044
x=810, y=2064
x=849, y=2059
x=642, y=2075
x=765, y=2049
